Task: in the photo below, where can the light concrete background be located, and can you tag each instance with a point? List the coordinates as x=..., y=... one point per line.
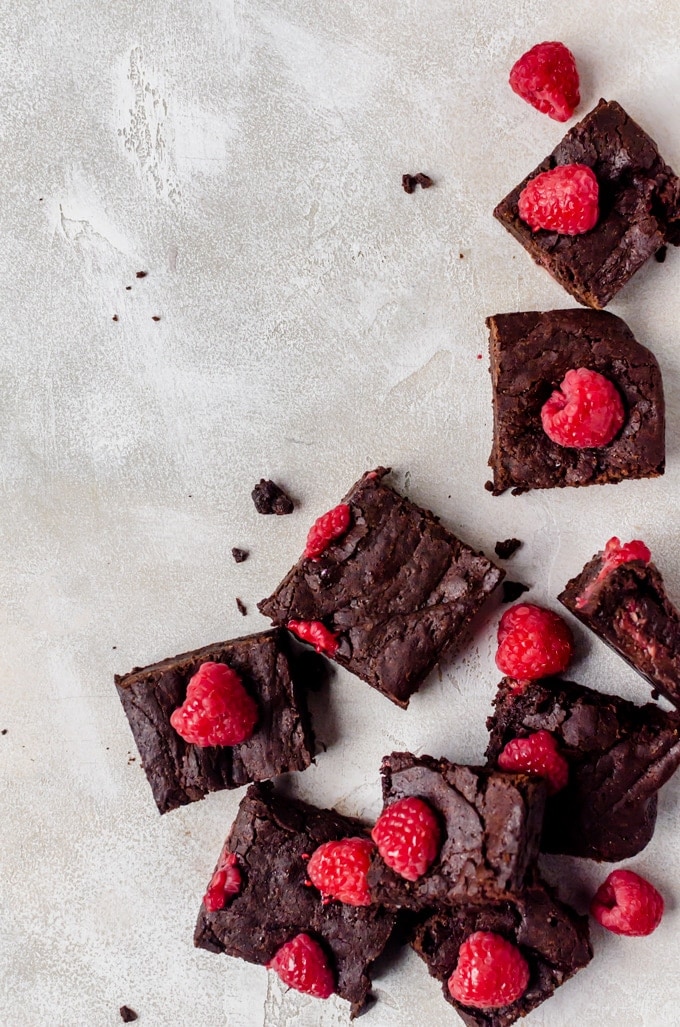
x=314, y=321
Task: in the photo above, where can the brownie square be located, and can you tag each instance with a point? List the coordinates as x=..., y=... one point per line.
x=397, y=589
x=530, y=353
x=628, y=608
x=619, y=756
x=180, y=772
x=639, y=200
x=273, y=838
x=491, y=829
x=553, y=939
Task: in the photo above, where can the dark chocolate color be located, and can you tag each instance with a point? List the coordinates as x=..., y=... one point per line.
x=512, y=590
x=241, y=607
x=271, y=836
x=239, y=555
x=128, y=1015
x=504, y=550
x=409, y=182
x=270, y=498
x=639, y=207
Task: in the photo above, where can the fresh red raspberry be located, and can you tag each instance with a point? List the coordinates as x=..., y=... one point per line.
x=491, y=972
x=537, y=754
x=316, y=633
x=586, y=411
x=326, y=528
x=339, y=869
x=408, y=837
x=217, y=709
x=627, y=904
x=301, y=964
x=532, y=643
x=225, y=883
x=563, y=200
x=546, y=77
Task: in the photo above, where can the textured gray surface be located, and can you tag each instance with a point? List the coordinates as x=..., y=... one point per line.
x=315, y=321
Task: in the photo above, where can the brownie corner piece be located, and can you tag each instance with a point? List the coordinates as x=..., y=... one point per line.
x=530, y=354
x=396, y=589
x=639, y=200
x=271, y=840
x=180, y=772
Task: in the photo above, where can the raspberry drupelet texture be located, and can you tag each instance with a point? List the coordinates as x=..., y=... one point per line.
x=532, y=643
x=301, y=964
x=225, y=883
x=491, y=972
x=538, y=754
x=563, y=200
x=339, y=869
x=326, y=529
x=316, y=633
x=627, y=904
x=546, y=77
x=217, y=709
x=408, y=837
x=586, y=411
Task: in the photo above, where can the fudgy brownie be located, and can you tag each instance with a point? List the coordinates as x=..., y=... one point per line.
x=553, y=939
x=639, y=201
x=619, y=756
x=491, y=832
x=396, y=589
x=273, y=838
x=530, y=354
x=180, y=772
x=626, y=605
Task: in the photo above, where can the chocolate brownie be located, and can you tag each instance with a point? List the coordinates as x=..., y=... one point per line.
x=639, y=200
x=273, y=838
x=269, y=498
x=628, y=608
x=397, y=589
x=553, y=939
x=180, y=772
x=491, y=825
x=619, y=756
x=530, y=355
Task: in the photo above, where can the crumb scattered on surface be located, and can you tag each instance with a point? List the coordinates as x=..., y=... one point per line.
x=127, y=1015
x=506, y=548
x=155, y=317
x=128, y=287
x=660, y=254
x=242, y=608
x=239, y=554
x=513, y=590
x=114, y=646
x=142, y=274
x=115, y=317
x=461, y=256
x=488, y=485
x=479, y=356
x=269, y=498
x=4, y=731
x=409, y=182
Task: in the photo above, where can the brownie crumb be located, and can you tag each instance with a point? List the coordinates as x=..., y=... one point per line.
x=155, y=317
x=461, y=256
x=506, y=549
x=513, y=590
x=270, y=499
x=242, y=608
x=142, y=274
x=488, y=485
x=239, y=554
x=4, y=731
x=127, y=288
x=660, y=254
x=409, y=182
x=127, y=1015
x=115, y=317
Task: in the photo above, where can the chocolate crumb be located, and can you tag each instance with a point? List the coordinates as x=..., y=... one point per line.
x=114, y=646
x=155, y=317
x=409, y=182
x=424, y=181
x=142, y=274
x=4, y=731
x=128, y=287
x=513, y=590
x=115, y=317
x=660, y=254
x=461, y=256
x=506, y=549
x=239, y=554
x=242, y=608
x=127, y=1015
x=270, y=499
x=488, y=485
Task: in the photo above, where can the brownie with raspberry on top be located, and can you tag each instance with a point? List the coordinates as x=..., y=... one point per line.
x=498, y=962
x=595, y=210
x=576, y=401
x=383, y=588
x=604, y=760
x=219, y=717
x=451, y=833
x=620, y=595
x=262, y=907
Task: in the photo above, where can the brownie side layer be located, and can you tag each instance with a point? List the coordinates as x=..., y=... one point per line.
x=630, y=611
x=639, y=203
x=530, y=353
x=398, y=589
x=179, y=772
x=491, y=830
x=553, y=939
x=273, y=838
x=619, y=756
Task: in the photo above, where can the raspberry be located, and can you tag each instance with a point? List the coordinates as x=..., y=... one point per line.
x=563, y=200
x=326, y=528
x=316, y=633
x=339, y=869
x=587, y=412
x=217, y=709
x=537, y=754
x=407, y=835
x=491, y=972
x=225, y=883
x=301, y=964
x=546, y=77
x=532, y=643
x=613, y=556
x=627, y=904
